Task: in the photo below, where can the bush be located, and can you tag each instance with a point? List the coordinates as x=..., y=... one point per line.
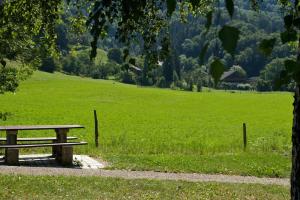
x=103, y=70
x=174, y=86
x=228, y=86
x=127, y=77
x=263, y=85
x=71, y=65
x=199, y=86
x=115, y=55
x=244, y=87
x=48, y=65
x=8, y=79
x=161, y=82
x=235, y=86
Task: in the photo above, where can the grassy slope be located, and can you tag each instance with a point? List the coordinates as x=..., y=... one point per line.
x=156, y=129
x=101, y=55
x=29, y=187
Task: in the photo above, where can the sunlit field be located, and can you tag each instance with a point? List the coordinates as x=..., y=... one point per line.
x=161, y=129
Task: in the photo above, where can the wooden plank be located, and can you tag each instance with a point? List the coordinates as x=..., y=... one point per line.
x=38, y=139
x=38, y=127
x=96, y=129
x=18, y=146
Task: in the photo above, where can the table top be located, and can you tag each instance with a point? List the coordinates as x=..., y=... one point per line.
x=38, y=127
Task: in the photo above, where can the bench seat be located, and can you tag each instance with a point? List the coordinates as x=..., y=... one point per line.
x=18, y=146
x=38, y=139
x=63, y=152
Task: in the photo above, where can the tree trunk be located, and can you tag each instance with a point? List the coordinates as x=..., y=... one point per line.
x=295, y=174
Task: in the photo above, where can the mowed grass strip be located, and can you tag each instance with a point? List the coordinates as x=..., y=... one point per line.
x=160, y=129
x=52, y=187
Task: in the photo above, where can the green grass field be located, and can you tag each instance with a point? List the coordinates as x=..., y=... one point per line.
x=160, y=129
x=49, y=187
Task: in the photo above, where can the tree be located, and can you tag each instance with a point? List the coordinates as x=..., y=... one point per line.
x=272, y=71
x=26, y=26
x=115, y=55
x=48, y=65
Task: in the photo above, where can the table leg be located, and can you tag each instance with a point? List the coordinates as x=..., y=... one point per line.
x=63, y=154
x=67, y=155
x=11, y=155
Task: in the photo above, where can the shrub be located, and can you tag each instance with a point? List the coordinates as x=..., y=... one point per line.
x=115, y=55
x=263, y=85
x=103, y=70
x=244, y=86
x=8, y=79
x=127, y=77
x=161, y=82
x=48, y=65
x=199, y=86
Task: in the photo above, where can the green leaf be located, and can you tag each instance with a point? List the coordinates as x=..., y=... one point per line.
x=266, y=46
x=3, y=63
x=288, y=36
x=229, y=37
x=203, y=52
x=284, y=78
x=293, y=68
x=132, y=61
x=296, y=22
x=125, y=54
x=195, y=3
x=171, y=6
x=230, y=7
x=288, y=21
x=125, y=67
x=208, y=20
x=217, y=68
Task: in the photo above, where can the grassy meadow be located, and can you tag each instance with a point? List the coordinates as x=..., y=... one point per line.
x=161, y=129
x=49, y=187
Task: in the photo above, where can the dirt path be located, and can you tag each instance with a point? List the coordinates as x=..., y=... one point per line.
x=37, y=171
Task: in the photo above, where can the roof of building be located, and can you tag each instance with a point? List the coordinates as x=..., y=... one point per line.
x=227, y=74
x=233, y=76
x=135, y=68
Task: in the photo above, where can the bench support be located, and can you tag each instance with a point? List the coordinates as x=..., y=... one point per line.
x=63, y=154
x=67, y=155
x=11, y=155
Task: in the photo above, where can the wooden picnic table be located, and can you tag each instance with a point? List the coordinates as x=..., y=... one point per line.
x=62, y=150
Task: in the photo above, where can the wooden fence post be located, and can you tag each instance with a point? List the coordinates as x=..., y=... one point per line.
x=245, y=135
x=96, y=128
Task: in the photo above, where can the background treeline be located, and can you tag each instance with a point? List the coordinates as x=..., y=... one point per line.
x=183, y=68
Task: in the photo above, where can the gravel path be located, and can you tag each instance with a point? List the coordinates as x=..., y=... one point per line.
x=37, y=171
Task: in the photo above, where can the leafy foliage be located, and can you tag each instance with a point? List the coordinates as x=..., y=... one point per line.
x=26, y=28
x=229, y=37
x=8, y=79
x=217, y=68
x=267, y=45
x=230, y=7
x=115, y=55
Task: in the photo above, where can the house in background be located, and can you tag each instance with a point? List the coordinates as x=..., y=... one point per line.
x=233, y=76
x=135, y=69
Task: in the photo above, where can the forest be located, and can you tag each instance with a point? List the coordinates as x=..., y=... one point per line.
x=184, y=68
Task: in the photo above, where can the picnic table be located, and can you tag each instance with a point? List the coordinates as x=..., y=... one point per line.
x=61, y=149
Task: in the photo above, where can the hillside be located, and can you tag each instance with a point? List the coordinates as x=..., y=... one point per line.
x=161, y=129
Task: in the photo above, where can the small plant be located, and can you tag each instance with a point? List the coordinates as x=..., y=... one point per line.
x=4, y=115
x=77, y=163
